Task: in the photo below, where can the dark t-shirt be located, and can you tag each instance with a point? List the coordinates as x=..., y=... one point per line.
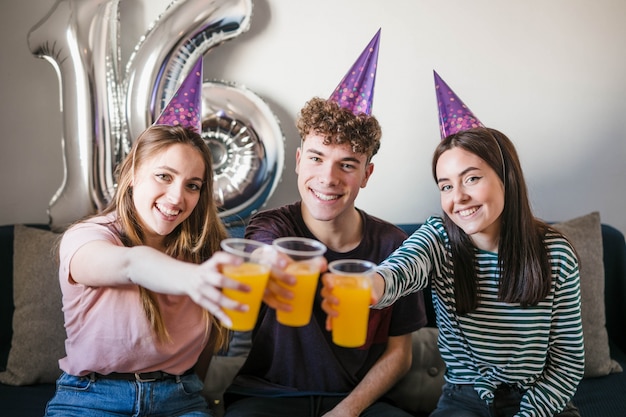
x=286, y=360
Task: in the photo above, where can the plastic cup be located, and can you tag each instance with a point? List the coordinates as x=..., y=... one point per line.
x=302, y=251
x=352, y=285
x=253, y=272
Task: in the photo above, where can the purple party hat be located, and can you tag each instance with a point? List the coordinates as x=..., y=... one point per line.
x=356, y=90
x=184, y=108
x=454, y=115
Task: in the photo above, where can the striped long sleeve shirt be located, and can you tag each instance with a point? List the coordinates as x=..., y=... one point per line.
x=537, y=348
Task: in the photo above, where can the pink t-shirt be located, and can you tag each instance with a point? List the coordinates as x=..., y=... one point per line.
x=107, y=329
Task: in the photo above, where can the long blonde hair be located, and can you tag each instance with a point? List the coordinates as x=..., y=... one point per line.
x=194, y=240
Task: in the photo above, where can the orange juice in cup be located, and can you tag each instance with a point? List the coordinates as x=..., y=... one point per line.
x=352, y=286
x=303, y=295
x=254, y=275
x=302, y=251
x=251, y=272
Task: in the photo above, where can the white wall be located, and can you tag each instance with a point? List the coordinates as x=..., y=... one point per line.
x=550, y=74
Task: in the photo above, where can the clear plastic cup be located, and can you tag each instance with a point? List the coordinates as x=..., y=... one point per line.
x=254, y=271
x=302, y=251
x=352, y=285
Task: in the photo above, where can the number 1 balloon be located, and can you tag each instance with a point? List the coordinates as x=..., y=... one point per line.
x=88, y=71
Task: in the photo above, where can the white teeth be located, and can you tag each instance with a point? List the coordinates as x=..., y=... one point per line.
x=325, y=197
x=468, y=211
x=166, y=211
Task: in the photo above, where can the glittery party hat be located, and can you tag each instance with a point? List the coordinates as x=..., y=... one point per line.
x=454, y=115
x=356, y=90
x=184, y=108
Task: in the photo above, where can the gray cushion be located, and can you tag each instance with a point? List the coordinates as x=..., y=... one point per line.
x=420, y=388
x=38, y=331
x=585, y=234
x=221, y=372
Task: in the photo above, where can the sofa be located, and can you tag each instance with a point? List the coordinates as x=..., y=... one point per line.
x=32, y=333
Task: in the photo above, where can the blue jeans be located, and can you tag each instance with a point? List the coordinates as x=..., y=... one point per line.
x=83, y=396
x=460, y=401
x=463, y=401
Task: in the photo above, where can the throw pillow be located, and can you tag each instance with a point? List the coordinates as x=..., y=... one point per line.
x=38, y=331
x=419, y=390
x=585, y=234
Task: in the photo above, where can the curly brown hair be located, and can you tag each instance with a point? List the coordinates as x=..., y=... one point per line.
x=340, y=126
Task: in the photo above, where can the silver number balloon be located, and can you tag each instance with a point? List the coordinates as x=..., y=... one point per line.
x=103, y=109
x=88, y=69
x=247, y=145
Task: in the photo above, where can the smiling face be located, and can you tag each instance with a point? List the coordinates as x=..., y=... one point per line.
x=329, y=178
x=166, y=189
x=472, y=195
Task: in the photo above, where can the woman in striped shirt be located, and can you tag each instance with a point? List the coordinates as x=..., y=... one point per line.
x=505, y=286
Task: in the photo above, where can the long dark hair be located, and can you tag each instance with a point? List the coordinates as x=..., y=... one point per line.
x=522, y=255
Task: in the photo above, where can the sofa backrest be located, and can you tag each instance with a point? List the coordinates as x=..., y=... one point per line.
x=6, y=292
x=614, y=256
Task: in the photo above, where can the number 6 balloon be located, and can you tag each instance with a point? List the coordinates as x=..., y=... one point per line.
x=103, y=110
